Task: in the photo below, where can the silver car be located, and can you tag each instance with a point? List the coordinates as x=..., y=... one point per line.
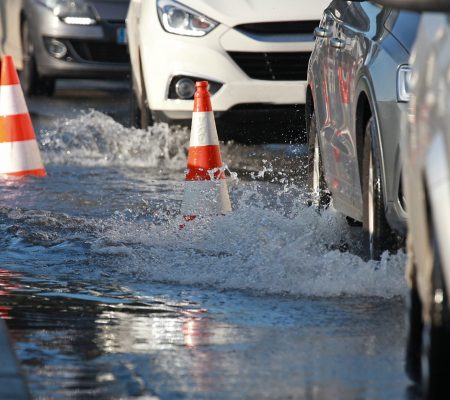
x=426, y=158
x=357, y=91
x=52, y=39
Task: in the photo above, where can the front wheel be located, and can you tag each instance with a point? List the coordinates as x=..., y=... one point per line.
x=319, y=196
x=135, y=111
x=140, y=114
x=377, y=232
x=30, y=80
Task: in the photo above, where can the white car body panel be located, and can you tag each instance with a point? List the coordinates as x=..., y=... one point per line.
x=164, y=55
x=438, y=179
x=426, y=150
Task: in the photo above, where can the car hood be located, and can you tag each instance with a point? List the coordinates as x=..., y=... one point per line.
x=236, y=12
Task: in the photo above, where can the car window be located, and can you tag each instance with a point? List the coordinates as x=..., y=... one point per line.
x=362, y=15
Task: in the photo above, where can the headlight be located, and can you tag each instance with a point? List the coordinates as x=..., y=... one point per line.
x=404, y=83
x=73, y=12
x=178, y=19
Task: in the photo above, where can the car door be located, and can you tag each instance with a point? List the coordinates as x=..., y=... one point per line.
x=320, y=61
x=327, y=100
x=359, y=29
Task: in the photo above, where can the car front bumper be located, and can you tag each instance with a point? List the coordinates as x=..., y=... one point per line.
x=165, y=56
x=93, y=51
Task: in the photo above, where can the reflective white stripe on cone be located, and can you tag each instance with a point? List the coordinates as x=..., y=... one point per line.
x=12, y=101
x=204, y=126
x=19, y=156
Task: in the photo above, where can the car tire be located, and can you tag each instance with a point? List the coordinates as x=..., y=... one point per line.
x=436, y=348
x=377, y=232
x=140, y=113
x=319, y=195
x=413, y=365
x=30, y=80
x=135, y=111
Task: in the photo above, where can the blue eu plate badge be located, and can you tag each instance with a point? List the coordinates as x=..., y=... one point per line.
x=121, y=35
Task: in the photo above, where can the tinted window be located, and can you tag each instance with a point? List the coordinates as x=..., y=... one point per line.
x=337, y=8
x=362, y=16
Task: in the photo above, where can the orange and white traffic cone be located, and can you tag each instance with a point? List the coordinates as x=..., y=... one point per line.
x=206, y=191
x=19, y=151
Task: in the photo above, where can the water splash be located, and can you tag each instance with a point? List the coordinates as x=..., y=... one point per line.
x=258, y=250
x=271, y=243
x=95, y=139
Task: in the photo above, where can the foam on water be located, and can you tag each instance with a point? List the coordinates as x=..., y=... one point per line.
x=271, y=243
x=255, y=249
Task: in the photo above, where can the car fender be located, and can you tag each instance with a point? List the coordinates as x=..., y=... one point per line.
x=133, y=37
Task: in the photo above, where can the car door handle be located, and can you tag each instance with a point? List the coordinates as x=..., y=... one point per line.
x=322, y=32
x=337, y=43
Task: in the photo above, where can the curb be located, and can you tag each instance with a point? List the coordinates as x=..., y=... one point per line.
x=12, y=382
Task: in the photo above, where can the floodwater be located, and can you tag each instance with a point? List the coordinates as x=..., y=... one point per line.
x=107, y=298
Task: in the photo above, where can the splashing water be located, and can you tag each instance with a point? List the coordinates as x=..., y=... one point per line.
x=94, y=139
x=271, y=243
x=256, y=249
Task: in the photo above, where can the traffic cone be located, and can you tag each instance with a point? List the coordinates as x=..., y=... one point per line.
x=206, y=191
x=19, y=151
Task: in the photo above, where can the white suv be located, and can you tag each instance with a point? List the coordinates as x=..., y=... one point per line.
x=426, y=158
x=253, y=53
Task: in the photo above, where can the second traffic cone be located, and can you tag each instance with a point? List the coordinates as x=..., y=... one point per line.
x=206, y=191
x=19, y=151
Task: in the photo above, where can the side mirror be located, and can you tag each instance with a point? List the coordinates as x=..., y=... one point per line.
x=417, y=5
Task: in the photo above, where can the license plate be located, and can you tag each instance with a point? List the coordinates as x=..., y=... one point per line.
x=121, y=35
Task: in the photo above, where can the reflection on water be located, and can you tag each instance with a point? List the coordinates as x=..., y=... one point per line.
x=87, y=340
x=7, y=287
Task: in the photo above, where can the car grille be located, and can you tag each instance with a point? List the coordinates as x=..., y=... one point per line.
x=280, y=28
x=275, y=66
x=96, y=51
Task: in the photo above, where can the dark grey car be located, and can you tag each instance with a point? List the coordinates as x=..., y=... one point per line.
x=65, y=39
x=357, y=90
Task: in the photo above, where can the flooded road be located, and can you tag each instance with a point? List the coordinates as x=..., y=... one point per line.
x=106, y=297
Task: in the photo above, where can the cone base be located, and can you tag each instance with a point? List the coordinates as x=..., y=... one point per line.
x=41, y=172
x=203, y=198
